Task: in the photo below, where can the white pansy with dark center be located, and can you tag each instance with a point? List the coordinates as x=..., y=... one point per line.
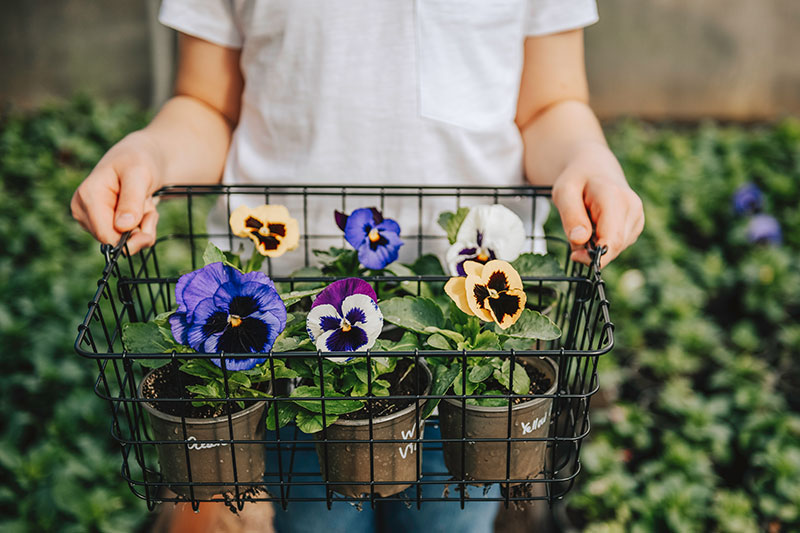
x=342, y=322
x=488, y=232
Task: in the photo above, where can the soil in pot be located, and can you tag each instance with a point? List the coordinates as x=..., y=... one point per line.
x=487, y=461
x=209, y=466
x=394, y=462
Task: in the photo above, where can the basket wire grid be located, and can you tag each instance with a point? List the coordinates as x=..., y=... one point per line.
x=137, y=288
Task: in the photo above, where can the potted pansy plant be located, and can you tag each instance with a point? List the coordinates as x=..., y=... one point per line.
x=483, y=233
x=340, y=395
x=221, y=309
x=487, y=313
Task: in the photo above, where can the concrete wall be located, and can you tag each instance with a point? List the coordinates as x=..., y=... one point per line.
x=736, y=59
x=686, y=59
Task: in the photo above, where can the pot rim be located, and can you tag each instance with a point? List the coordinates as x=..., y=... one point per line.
x=152, y=411
x=390, y=417
x=522, y=405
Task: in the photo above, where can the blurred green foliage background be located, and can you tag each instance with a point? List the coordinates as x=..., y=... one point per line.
x=696, y=426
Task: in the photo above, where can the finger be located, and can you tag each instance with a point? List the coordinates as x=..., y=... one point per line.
x=145, y=235
x=94, y=204
x=568, y=199
x=134, y=190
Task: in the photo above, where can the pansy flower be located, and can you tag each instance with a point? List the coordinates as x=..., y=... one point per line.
x=221, y=309
x=488, y=232
x=493, y=292
x=345, y=317
x=747, y=199
x=270, y=227
x=376, y=239
x=764, y=229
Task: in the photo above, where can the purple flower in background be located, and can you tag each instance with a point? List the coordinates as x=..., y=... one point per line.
x=376, y=239
x=764, y=229
x=747, y=199
x=221, y=309
x=345, y=317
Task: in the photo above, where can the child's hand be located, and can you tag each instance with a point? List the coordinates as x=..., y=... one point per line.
x=593, y=182
x=117, y=195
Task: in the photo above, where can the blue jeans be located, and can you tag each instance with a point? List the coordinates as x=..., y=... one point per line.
x=387, y=517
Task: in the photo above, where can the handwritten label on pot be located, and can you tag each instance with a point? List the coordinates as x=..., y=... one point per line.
x=409, y=448
x=530, y=427
x=204, y=445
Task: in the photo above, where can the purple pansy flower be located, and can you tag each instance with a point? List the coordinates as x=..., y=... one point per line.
x=221, y=309
x=376, y=239
x=764, y=229
x=345, y=317
x=747, y=199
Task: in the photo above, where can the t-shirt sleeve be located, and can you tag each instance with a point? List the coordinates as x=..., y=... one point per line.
x=553, y=16
x=210, y=20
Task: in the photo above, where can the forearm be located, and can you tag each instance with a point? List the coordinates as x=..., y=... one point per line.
x=556, y=136
x=190, y=140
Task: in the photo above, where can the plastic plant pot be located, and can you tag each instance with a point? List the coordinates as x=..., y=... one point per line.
x=487, y=461
x=393, y=462
x=214, y=466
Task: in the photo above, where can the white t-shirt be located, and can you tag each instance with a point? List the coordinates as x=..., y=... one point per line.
x=375, y=92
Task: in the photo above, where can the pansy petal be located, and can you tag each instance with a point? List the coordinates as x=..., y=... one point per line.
x=476, y=295
x=319, y=317
x=238, y=221
x=199, y=285
x=501, y=229
x=473, y=268
x=379, y=257
x=507, y=307
x=358, y=226
x=389, y=225
x=179, y=326
x=456, y=290
x=240, y=364
x=366, y=307
x=337, y=291
x=511, y=276
x=353, y=340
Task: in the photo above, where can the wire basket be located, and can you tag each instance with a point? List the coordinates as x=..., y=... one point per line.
x=139, y=287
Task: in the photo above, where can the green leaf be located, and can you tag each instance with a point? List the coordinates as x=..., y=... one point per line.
x=490, y=399
x=148, y=337
x=428, y=265
x=518, y=344
x=309, y=422
x=293, y=297
x=439, y=342
x=480, y=373
x=407, y=343
x=450, y=334
x=286, y=412
x=521, y=382
x=536, y=265
x=531, y=325
x=336, y=403
x=486, y=340
x=410, y=287
x=212, y=254
x=443, y=378
x=450, y=222
x=201, y=368
x=279, y=366
x=413, y=313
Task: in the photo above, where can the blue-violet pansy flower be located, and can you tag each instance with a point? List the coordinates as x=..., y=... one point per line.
x=220, y=309
x=764, y=229
x=747, y=199
x=345, y=317
x=376, y=239
x=488, y=232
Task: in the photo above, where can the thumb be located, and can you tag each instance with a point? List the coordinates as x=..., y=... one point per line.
x=568, y=199
x=134, y=190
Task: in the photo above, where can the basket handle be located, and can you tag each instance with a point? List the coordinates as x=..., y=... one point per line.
x=110, y=251
x=595, y=252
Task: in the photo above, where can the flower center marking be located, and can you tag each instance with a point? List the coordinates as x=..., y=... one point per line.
x=234, y=320
x=373, y=235
x=493, y=293
x=346, y=326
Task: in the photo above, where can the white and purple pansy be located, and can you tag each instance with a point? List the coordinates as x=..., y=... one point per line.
x=376, y=239
x=488, y=232
x=220, y=309
x=345, y=317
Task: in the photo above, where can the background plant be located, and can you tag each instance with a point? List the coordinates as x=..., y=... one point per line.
x=702, y=432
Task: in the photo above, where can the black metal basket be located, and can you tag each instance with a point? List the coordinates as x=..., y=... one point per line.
x=136, y=288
